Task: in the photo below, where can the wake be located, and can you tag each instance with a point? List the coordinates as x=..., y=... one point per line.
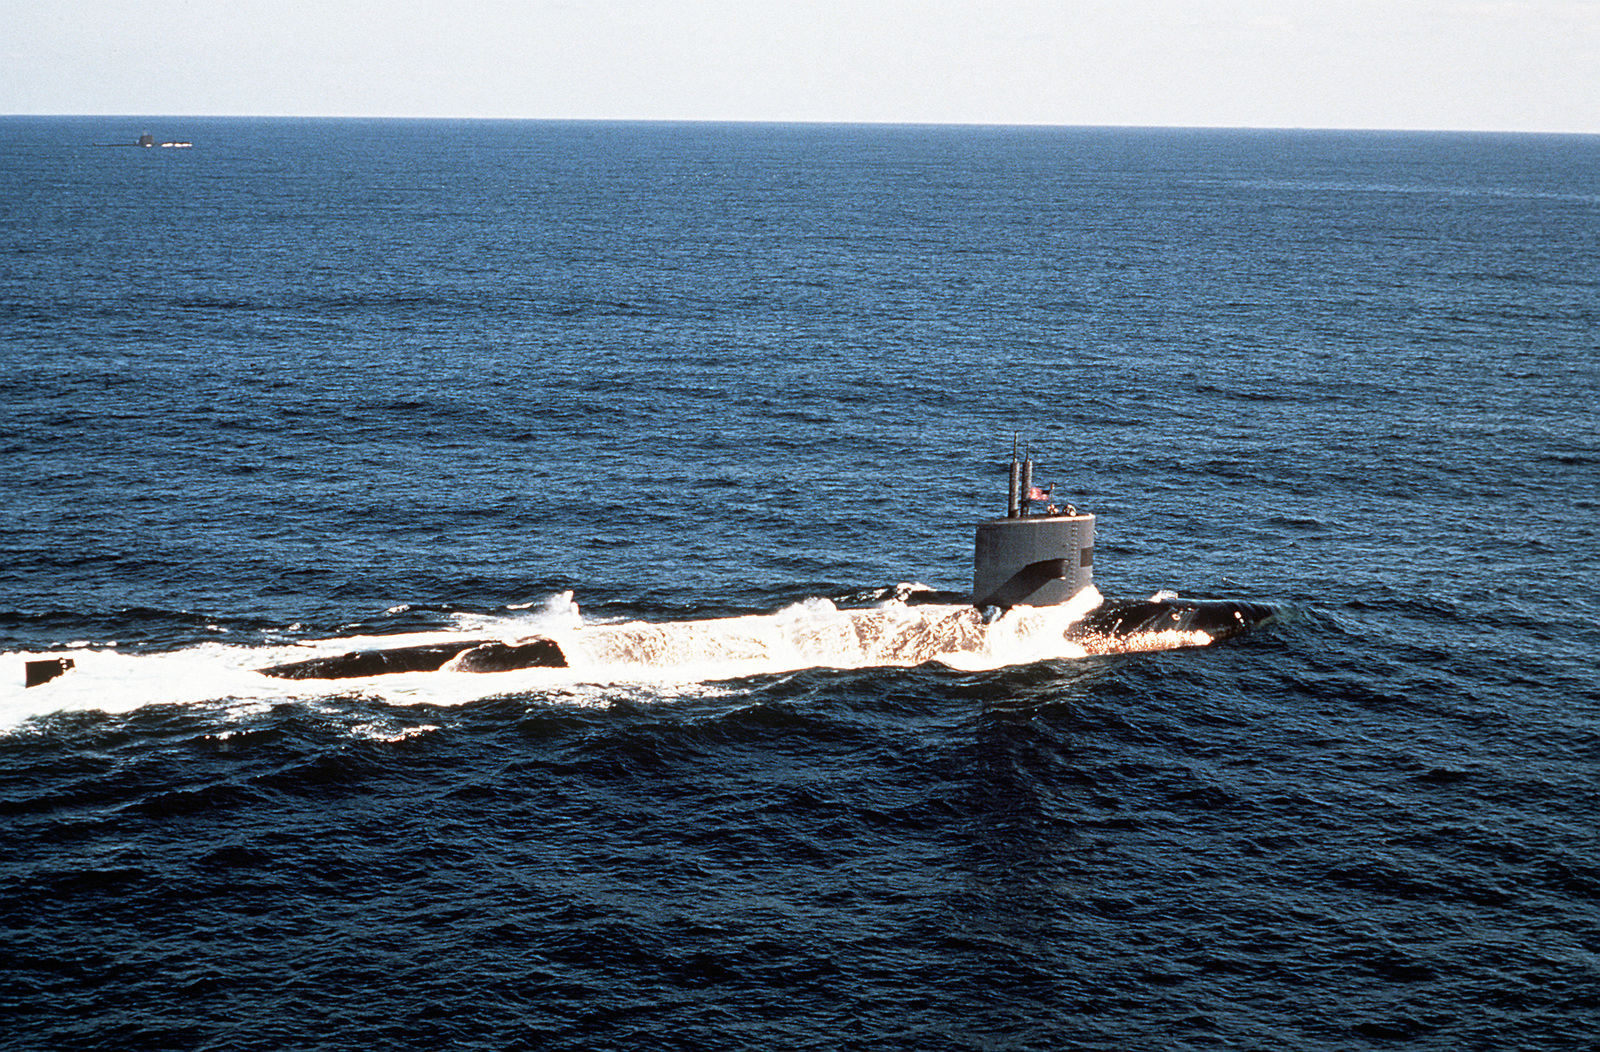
x=815, y=633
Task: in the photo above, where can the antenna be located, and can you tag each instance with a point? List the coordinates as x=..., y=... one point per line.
x=1014, y=505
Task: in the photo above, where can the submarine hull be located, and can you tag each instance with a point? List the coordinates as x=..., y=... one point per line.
x=847, y=638
x=1166, y=618
x=507, y=657
x=472, y=655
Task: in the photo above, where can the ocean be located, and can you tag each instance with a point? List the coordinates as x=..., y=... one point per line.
x=728, y=392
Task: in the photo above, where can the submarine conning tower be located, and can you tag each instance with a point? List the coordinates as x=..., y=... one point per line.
x=1028, y=558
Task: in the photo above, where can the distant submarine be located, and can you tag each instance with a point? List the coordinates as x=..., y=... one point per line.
x=1026, y=559
x=149, y=141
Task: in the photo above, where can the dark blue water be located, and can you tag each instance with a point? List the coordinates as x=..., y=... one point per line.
x=313, y=379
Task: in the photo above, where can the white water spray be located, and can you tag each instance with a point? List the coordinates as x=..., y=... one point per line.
x=667, y=656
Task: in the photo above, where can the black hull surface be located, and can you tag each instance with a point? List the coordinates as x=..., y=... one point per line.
x=1217, y=619
x=472, y=655
x=875, y=637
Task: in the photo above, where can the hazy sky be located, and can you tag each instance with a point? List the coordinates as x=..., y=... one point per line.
x=1530, y=65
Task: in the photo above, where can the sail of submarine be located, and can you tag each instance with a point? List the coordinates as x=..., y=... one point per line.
x=1032, y=560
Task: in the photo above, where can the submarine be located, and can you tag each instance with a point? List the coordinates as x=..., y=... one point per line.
x=1034, y=559
x=148, y=141
x=1033, y=598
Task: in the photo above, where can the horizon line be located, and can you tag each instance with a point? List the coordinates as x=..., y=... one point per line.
x=819, y=122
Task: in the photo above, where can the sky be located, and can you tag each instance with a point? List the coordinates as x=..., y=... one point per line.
x=1487, y=65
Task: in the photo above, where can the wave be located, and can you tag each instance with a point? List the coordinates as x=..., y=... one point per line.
x=907, y=628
